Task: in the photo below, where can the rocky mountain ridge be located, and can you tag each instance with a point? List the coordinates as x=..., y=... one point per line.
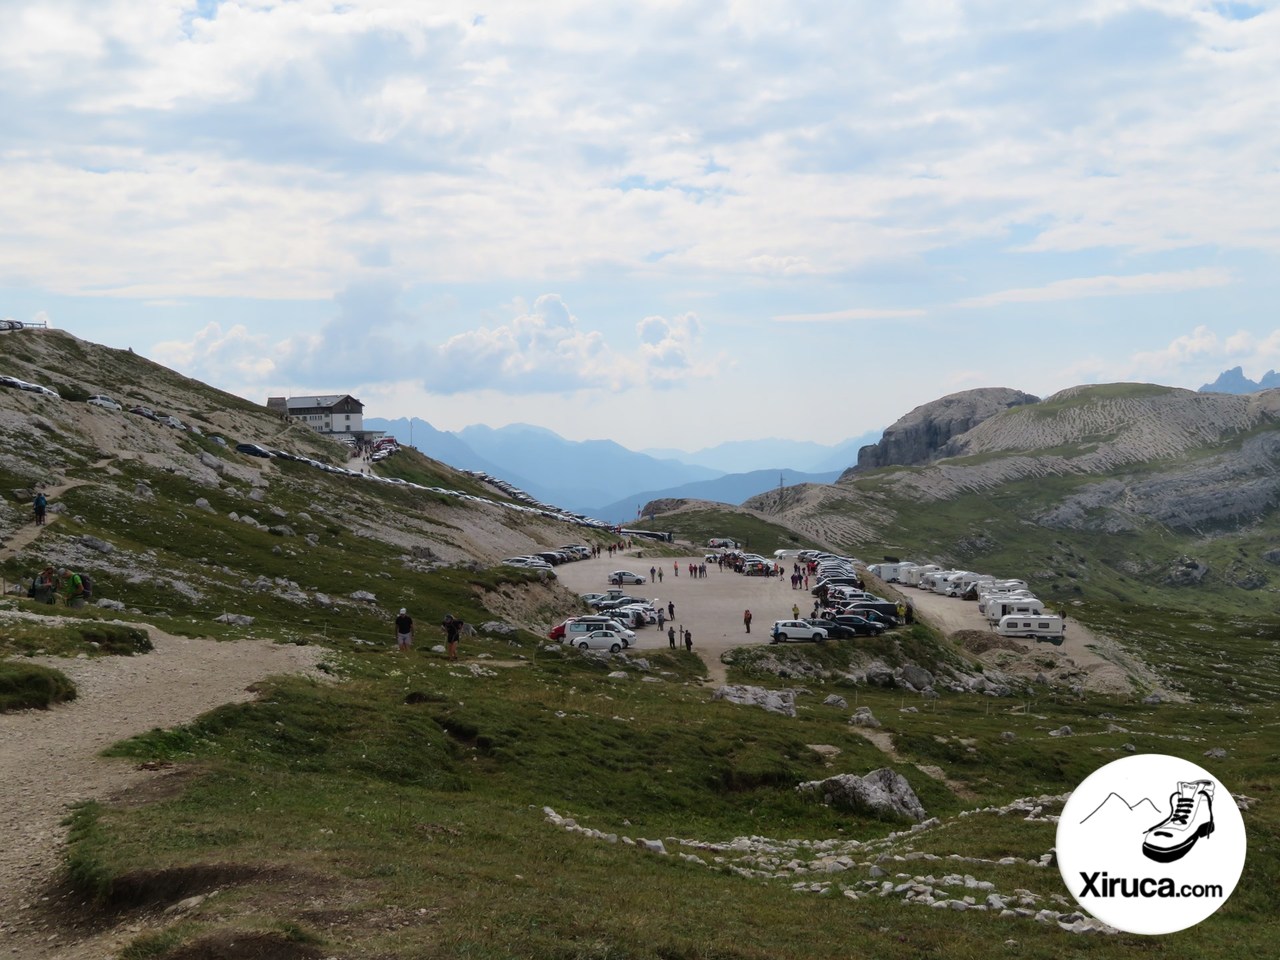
x=1170, y=470
x=924, y=434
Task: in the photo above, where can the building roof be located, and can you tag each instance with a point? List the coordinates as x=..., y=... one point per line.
x=330, y=400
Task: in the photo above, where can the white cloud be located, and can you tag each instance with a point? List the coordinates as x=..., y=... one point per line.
x=1203, y=353
x=160, y=153
x=544, y=349
x=837, y=316
x=1107, y=286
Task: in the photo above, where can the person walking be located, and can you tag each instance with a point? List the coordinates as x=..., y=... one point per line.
x=404, y=631
x=452, y=631
x=671, y=637
x=671, y=609
x=746, y=620
x=795, y=611
x=659, y=574
x=38, y=506
x=653, y=572
x=662, y=616
x=688, y=641
x=675, y=565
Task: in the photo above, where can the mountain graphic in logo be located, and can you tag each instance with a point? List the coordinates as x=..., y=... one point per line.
x=1116, y=811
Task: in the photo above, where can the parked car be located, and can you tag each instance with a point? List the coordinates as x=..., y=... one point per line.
x=11, y=382
x=150, y=414
x=528, y=563
x=875, y=616
x=40, y=389
x=578, y=627
x=888, y=611
x=174, y=422
x=784, y=630
x=861, y=626
x=251, y=449
x=836, y=631
x=102, y=400
x=625, y=576
x=600, y=640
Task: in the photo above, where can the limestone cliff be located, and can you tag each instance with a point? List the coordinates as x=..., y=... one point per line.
x=923, y=434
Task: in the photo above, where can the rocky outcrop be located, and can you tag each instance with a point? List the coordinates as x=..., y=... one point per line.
x=922, y=434
x=775, y=701
x=883, y=791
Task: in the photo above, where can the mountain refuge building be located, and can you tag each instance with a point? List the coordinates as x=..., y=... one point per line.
x=333, y=414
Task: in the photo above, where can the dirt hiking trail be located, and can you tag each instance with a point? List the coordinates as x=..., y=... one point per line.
x=49, y=760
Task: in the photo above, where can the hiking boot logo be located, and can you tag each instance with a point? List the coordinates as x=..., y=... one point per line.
x=1190, y=818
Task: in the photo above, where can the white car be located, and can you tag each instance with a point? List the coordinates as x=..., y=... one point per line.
x=645, y=610
x=625, y=576
x=784, y=630
x=609, y=640
x=529, y=563
x=102, y=400
x=576, y=627
x=40, y=389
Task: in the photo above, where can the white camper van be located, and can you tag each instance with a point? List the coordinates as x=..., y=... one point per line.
x=998, y=608
x=942, y=581
x=989, y=597
x=1045, y=627
x=914, y=575
x=891, y=572
x=959, y=586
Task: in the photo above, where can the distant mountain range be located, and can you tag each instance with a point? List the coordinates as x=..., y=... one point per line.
x=744, y=456
x=1234, y=381
x=604, y=479
x=731, y=488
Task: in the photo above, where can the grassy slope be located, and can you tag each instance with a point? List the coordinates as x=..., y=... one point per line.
x=396, y=804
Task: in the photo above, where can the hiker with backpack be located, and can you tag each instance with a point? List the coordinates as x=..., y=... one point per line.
x=39, y=506
x=44, y=587
x=75, y=588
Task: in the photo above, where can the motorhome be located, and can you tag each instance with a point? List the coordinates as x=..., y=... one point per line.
x=958, y=586
x=930, y=580
x=998, y=608
x=988, y=597
x=890, y=572
x=913, y=576
x=941, y=581
x=1047, y=627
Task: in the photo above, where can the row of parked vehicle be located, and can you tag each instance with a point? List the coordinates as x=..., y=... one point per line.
x=845, y=609
x=13, y=383
x=1007, y=604
x=612, y=627
x=547, y=559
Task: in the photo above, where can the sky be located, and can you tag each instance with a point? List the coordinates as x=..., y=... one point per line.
x=668, y=223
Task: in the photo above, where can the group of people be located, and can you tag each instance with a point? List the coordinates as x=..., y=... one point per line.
x=50, y=586
x=686, y=636
x=451, y=625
